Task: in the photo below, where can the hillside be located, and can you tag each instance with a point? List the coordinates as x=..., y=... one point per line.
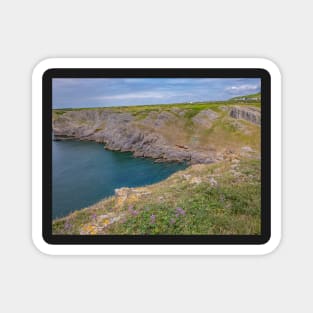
x=248, y=98
x=196, y=133
x=219, y=193
x=222, y=198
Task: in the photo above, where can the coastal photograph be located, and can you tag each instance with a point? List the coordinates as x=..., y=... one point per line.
x=156, y=156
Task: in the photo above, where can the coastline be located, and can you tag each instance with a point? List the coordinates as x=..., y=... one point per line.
x=177, y=134
x=209, y=137
x=130, y=209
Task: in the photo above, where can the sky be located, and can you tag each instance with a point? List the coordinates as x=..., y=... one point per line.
x=106, y=92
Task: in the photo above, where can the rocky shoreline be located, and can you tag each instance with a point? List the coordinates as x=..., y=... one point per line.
x=164, y=136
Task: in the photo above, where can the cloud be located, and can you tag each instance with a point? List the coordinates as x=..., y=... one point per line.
x=88, y=92
x=141, y=95
x=242, y=89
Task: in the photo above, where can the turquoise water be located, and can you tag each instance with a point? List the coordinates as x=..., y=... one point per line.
x=84, y=173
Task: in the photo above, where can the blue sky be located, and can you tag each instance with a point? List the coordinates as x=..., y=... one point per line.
x=105, y=92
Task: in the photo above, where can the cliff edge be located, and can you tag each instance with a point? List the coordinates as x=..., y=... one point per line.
x=185, y=133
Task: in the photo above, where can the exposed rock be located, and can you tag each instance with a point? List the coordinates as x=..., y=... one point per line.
x=235, y=161
x=148, y=137
x=129, y=195
x=196, y=180
x=247, y=149
x=89, y=229
x=119, y=133
x=158, y=119
x=100, y=223
x=250, y=114
x=186, y=176
x=212, y=182
x=205, y=118
x=201, y=157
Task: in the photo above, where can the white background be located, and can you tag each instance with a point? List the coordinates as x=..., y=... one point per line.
x=33, y=30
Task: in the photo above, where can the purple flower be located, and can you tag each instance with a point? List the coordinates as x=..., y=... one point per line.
x=152, y=219
x=94, y=216
x=180, y=211
x=172, y=221
x=67, y=225
x=132, y=211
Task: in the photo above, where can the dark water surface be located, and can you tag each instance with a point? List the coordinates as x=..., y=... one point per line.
x=84, y=173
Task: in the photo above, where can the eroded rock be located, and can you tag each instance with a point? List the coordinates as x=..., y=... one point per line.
x=250, y=114
x=129, y=195
x=205, y=118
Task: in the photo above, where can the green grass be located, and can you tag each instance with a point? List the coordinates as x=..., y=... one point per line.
x=198, y=106
x=255, y=95
x=175, y=206
x=231, y=208
x=207, y=210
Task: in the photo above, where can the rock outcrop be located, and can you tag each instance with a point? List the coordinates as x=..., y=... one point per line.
x=164, y=135
x=122, y=132
x=251, y=114
x=205, y=118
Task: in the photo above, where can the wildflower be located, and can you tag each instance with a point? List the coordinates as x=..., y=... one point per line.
x=94, y=216
x=172, y=221
x=67, y=225
x=132, y=211
x=152, y=219
x=106, y=222
x=180, y=211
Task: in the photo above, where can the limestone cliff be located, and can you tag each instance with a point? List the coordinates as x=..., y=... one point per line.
x=176, y=133
x=250, y=114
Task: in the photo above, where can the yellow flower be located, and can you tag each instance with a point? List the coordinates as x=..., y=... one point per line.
x=106, y=222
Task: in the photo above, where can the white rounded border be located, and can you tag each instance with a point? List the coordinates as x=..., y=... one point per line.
x=276, y=149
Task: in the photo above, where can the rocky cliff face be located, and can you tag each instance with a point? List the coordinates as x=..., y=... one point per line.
x=250, y=114
x=168, y=135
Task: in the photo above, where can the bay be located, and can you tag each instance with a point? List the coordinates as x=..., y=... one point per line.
x=84, y=172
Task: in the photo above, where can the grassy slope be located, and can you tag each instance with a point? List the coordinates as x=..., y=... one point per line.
x=254, y=95
x=221, y=198
x=144, y=109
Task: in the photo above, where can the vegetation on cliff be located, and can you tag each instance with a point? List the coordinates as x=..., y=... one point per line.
x=222, y=198
x=195, y=133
